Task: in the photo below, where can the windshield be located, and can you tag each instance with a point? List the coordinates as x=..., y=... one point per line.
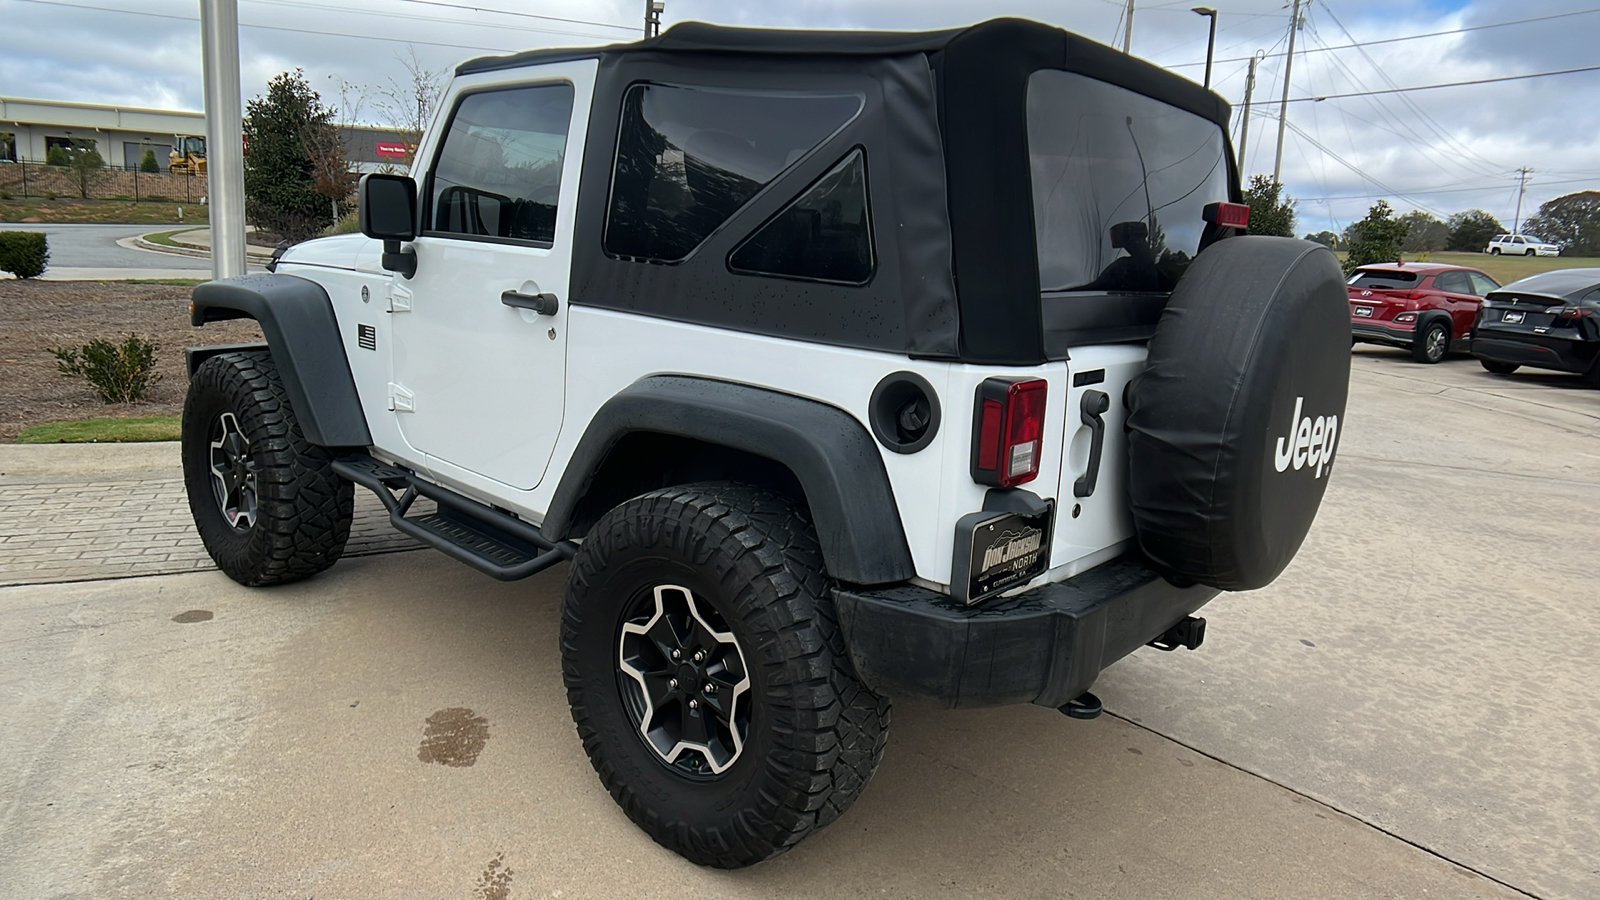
x=1120, y=182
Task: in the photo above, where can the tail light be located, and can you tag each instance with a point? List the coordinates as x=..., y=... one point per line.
x=1008, y=431
x=1231, y=215
x=1567, y=312
x=1415, y=295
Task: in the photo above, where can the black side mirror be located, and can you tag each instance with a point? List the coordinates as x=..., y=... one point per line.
x=387, y=210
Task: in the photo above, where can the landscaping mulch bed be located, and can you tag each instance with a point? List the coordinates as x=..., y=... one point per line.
x=38, y=315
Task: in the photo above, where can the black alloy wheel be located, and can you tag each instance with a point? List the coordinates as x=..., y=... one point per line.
x=708, y=677
x=267, y=503
x=1433, y=344
x=1499, y=368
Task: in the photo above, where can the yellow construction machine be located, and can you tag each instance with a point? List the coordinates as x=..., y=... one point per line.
x=188, y=156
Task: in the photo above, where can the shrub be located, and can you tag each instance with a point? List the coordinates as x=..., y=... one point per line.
x=118, y=374
x=349, y=223
x=24, y=253
x=57, y=156
x=147, y=163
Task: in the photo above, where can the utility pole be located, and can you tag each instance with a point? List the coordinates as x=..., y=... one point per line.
x=1127, y=29
x=1522, y=188
x=219, y=46
x=652, y=17
x=1249, y=88
x=1283, y=108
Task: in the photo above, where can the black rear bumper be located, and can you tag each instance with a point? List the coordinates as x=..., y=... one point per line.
x=1561, y=354
x=1379, y=333
x=1045, y=646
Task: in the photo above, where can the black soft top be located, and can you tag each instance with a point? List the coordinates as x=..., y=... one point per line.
x=952, y=126
x=1000, y=45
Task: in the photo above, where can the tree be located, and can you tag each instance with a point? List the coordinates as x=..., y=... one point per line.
x=57, y=156
x=1573, y=221
x=86, y=166
x=1424, y=233
x=1376, y=238
x=147, y=163
x=1326, y=238
x=408, y=106
x=292, y=139
x=1271, y=210
x=1472, y=230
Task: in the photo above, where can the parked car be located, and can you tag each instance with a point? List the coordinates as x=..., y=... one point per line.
x=1549, y=321
x=1425, y=308
x=1521, y=245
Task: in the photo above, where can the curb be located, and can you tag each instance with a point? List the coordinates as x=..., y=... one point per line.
x=142, y=244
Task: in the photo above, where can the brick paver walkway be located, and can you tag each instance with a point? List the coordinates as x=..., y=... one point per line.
x=57, y=528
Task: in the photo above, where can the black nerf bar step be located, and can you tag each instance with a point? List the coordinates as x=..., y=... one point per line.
x=495, y=543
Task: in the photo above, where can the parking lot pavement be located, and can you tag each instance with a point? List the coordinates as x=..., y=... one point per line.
x=272, y=749
x=1409, y=706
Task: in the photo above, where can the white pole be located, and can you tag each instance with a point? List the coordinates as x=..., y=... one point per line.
x=1127, y=30
x=1522, y=188
x=219, y=44
x=1283, y=108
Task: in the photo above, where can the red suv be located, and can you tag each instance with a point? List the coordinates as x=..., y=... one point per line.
x=1422, y=307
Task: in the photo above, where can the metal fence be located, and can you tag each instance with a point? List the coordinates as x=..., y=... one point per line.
x=29, y=179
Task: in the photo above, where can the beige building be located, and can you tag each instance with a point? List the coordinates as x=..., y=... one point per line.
x=121, y=134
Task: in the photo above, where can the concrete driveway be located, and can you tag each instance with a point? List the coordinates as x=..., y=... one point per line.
x=1408, y=712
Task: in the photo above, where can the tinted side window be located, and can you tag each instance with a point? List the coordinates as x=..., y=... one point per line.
x=1119, y=184
x=689, y=158
x=498, y=174
x=825, y=234
x=1481, y=284
x=1453, y=283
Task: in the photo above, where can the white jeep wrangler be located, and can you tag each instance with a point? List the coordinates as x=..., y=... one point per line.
x=841, y=366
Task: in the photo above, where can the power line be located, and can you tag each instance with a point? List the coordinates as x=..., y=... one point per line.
x=1414, y=37
x=507, y=12
x=1450, y=84
x=343, y=34
x=421, y=18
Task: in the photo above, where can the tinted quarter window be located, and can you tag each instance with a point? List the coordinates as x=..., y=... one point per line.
x=689, y=158
x=1119, y=184
x=498, y=173
x=825, y=234
x=1481, y=284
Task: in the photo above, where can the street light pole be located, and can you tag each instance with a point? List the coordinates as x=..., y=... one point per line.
x=1211, y=42
x=652, y=17
x=219, y=46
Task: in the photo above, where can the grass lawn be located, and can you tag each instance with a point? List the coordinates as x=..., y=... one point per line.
x=73, y=211
x=104, y=431
x=164, y=238
x=1506, y=269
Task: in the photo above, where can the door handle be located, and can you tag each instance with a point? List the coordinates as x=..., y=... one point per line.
x=1092, y=409
x=543, y=304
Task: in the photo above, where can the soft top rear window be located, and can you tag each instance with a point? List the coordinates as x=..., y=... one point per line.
x=1366, y=278
x=1120, y=182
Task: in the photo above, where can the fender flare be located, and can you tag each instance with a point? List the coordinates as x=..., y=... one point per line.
x=829, y=451
x=302, y=332
x=1427, y=317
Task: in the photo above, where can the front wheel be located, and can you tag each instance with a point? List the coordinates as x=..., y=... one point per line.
x=1527, y=253
x=1499, y=368
x=1432, y=344
x=708, y=677
x=267, y=503
x=1494, y=251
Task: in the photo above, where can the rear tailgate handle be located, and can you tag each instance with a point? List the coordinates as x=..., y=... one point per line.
x=543, y=304
x=1092, y=409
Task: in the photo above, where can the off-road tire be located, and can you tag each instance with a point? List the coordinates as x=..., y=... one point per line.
x=815, y=734
x=1499, y=368
x=1423, y=348
x=301, y=509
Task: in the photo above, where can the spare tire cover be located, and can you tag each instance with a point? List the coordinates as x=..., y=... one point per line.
x=1234, y=424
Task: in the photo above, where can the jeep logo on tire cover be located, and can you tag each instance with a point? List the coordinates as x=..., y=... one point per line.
x=1310, y=442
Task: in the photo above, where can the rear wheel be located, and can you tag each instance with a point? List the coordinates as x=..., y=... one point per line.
x=267, y=503
x=1494, y=251
x=708, y=677
x=1432, y=344
x=1499, y=368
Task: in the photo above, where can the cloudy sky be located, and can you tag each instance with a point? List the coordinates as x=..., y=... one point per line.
x=1441, y=150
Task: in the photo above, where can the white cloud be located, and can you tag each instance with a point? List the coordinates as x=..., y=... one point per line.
x=1447, y=150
